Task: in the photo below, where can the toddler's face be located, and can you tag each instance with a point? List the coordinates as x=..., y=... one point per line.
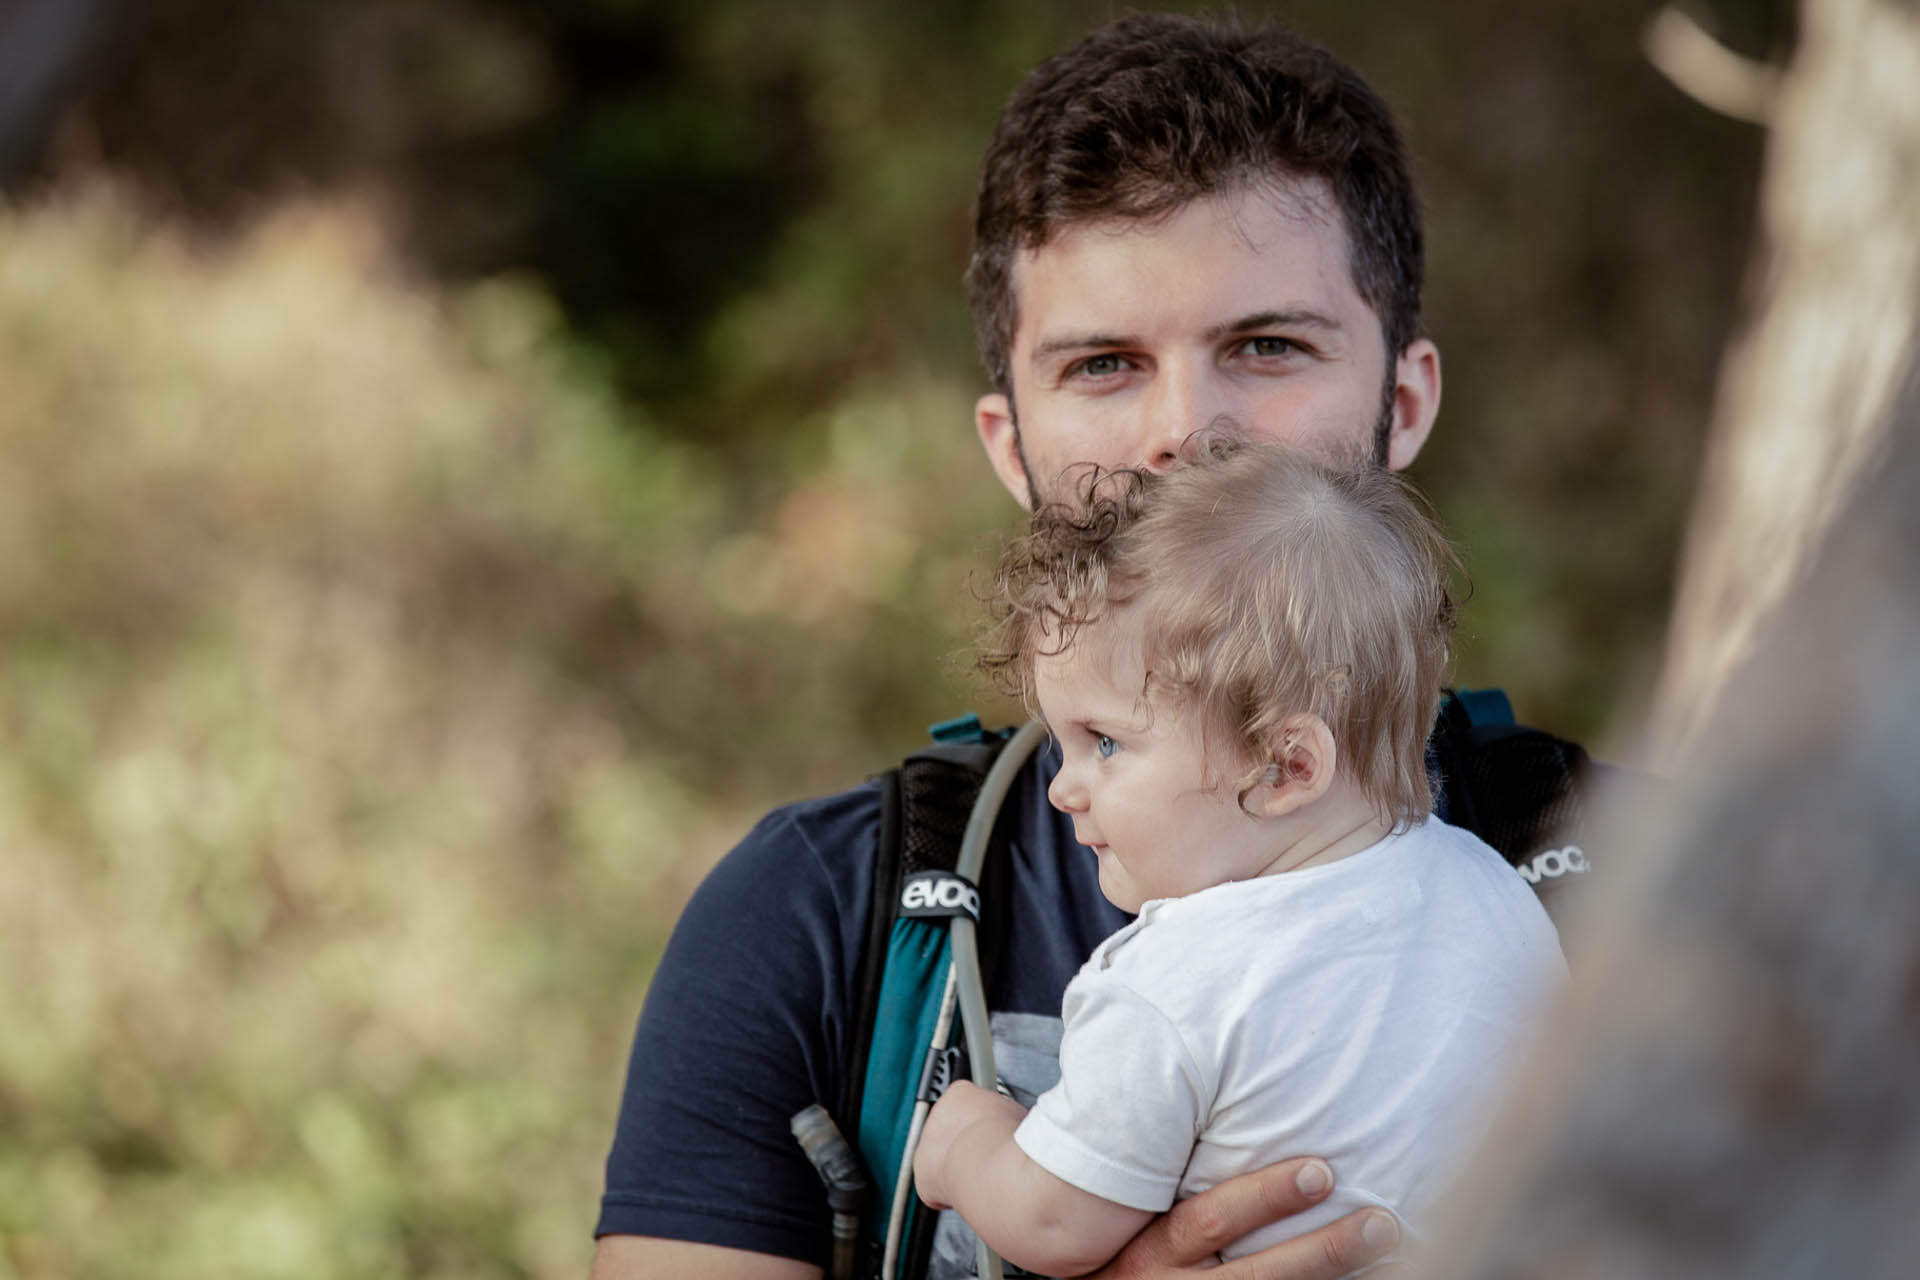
x=1134, y=777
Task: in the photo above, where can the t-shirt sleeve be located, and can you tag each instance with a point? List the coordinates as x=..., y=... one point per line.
x=744, y=1025
x=1130, y=1102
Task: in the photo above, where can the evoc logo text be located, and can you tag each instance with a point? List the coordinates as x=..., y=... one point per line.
x=1554, y=863
x=938, y=894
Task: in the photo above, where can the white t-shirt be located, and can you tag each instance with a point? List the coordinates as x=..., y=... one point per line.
x=1363, y=1011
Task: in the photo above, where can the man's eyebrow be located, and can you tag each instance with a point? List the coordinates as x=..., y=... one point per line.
x=1079, y=342
x=1279, y=318
x=1287, y=318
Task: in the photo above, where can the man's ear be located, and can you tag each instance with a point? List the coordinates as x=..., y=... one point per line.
x=1000, y=437
x=1416, y=402
x=1304, y=761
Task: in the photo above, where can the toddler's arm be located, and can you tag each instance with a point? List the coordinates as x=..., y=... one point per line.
x=967, y=1160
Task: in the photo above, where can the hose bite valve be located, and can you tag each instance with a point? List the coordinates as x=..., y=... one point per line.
x=839, y=1168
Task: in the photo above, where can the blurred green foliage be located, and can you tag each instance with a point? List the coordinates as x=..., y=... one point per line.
x=375, y=687
x=465, y=458
x=755, y=212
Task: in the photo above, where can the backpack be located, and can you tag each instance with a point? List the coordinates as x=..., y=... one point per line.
x=1520, y=789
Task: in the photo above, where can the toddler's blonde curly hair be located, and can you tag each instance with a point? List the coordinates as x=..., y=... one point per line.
x=1265, y=584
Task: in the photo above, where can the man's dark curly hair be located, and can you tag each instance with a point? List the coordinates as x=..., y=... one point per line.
x=1154, y=111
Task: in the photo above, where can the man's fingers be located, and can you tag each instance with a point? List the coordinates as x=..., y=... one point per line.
x=1188, y=1235
x=1202, y=1225
x=1337, y=1249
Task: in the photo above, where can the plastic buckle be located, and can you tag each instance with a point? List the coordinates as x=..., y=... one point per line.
x=942, y=1068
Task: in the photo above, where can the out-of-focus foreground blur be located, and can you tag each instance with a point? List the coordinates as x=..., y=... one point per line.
x=461, y=460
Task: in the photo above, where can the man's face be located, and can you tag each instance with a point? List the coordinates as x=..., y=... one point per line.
x=1237, y=313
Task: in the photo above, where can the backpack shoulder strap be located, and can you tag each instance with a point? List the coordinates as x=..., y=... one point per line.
x=1517, y=788
x=925, y=803
x=1521, y=789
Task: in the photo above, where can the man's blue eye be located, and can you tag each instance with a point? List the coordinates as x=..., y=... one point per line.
x=1269, y=346
x=1105, y=746
x=1100, y=366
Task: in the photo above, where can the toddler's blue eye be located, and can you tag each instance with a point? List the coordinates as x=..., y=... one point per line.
x=1105, y=746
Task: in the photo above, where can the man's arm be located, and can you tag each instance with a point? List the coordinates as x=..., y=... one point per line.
x=967, y=1160
x=737, y=1034
x=1184, y=1240
x=638, y=1257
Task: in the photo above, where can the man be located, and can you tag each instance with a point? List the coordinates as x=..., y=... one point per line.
x=1181, y=228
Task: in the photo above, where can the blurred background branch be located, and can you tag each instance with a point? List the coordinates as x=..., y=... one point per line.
x=1807, y=389
x=1706, y=70
x=1729, y=1091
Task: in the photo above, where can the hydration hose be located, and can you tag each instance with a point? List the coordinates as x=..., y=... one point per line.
x=965, y=994
x=903, y=1185
x=965, y=942
x=839, y=1168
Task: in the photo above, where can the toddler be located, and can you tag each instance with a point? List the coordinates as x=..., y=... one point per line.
x=1240, y=661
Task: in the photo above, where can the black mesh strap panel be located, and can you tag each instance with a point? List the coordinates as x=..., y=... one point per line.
x=1526, y=789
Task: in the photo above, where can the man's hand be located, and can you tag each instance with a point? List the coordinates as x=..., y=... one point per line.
x=1189, y=1236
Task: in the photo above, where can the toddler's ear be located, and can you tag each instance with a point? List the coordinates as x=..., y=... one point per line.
x=1304, y=762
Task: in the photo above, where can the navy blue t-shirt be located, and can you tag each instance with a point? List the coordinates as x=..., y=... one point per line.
x=746, y=1021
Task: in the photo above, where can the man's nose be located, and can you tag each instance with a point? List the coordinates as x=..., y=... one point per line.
x=1192, y=406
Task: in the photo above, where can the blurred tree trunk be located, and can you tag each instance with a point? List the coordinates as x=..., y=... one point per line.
x=1806, y=390
x=1731, y=1088
x=44, y=48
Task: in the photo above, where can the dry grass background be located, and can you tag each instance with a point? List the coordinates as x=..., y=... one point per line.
x=358, y=672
